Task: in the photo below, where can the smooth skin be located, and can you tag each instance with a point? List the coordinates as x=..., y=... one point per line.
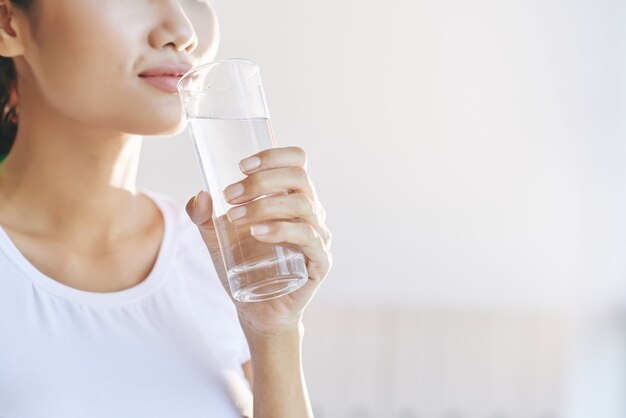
x=68, y=198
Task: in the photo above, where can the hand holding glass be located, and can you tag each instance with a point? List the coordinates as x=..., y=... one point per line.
x=228, y=120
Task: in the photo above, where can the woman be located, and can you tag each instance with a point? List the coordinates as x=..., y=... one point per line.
x=110, y=299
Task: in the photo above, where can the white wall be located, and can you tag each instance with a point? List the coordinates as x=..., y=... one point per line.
x=468, y=153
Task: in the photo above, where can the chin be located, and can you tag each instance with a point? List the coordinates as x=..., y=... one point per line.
x=158, y=122
x=163, y=128
x=177, y=129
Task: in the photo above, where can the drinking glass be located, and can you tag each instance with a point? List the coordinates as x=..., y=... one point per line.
x=228, y=120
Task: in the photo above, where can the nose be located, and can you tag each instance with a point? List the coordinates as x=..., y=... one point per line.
x=174, y=28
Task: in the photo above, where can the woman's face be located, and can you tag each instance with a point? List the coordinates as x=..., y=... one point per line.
x=86, y=56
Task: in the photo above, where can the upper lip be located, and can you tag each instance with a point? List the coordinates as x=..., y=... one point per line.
x=173, y=69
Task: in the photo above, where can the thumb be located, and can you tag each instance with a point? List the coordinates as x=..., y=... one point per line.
x=200, y=209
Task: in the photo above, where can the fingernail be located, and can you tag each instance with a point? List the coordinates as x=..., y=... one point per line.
x=233, y=191
x=250, y=163
x=259, y=229
x=236, y=213
x=196, y=200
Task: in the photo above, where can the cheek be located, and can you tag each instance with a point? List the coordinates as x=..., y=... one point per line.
x=83, y=60
x=86, y=68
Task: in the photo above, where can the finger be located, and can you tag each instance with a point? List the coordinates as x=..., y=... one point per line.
x=302, y=235
x=266, y=182
x=274, y=158
x=321, y=211
x=328, y=236
x=297, y=206
x=200, y=208
x=294, y=206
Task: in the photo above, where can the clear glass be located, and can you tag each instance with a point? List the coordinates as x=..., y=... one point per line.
x=229, y=120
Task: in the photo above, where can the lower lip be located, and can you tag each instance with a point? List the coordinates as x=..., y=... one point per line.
x=164, y=82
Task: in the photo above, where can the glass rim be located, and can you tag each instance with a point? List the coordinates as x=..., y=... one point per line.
x=193, y=71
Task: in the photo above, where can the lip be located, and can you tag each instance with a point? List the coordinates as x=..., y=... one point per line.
x=166, y=76
x=169, y=69
x=165, y=82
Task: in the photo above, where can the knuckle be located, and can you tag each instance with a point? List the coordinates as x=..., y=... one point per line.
x=256, y=181
x=271, y=206
x=288, y=230
x=307, y=206
x=321, y=211
x=301, y=153
x=300, y=179
x=329, y=236
x=257, y=209
x=278, y=229
x=300, y=174
x=313, y=232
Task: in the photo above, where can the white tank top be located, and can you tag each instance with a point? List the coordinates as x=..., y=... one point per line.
x=170, y=346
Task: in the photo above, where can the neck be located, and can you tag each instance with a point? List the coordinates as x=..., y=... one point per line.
x=67, y=178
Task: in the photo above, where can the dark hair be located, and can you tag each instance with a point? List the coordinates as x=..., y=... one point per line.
x=8, y=93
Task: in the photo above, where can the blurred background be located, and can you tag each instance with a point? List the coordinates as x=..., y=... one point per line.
x=471, y=158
